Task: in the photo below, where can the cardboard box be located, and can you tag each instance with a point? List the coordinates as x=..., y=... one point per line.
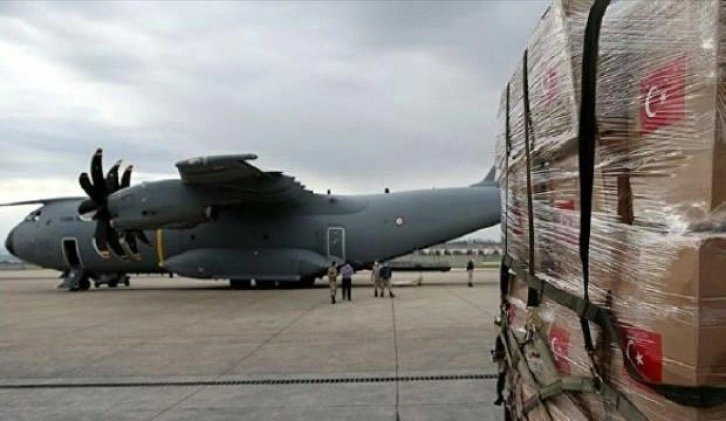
x=658, y=241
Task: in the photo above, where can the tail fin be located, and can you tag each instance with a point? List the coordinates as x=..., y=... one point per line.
x=489, y=180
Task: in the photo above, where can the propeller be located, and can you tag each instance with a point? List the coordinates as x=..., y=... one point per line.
x=99, y=188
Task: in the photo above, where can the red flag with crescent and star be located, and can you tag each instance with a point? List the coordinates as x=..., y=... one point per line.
x=663, y=96
x=560, y=346
x=644, y=350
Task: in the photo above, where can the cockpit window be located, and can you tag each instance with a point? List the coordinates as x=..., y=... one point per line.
x=87, y=217
x=33, y=216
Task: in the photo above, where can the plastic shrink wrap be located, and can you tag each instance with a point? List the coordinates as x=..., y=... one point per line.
x=657, y=253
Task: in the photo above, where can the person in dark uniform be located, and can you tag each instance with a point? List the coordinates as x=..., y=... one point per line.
x=386, y=275
x=470, y=272
x=346, y=273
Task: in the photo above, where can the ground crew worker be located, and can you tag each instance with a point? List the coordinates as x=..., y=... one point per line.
x=332, y=282
x=386, y=275
x=346, y=273
x=376, y=278
x=470, y=272
x=498, y=356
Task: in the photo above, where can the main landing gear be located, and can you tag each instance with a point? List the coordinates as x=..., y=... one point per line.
x=77, y=279
x=306, y=282
x=112, y=280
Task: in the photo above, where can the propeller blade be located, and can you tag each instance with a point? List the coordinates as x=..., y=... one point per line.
x=100, y=237
x=144, y=239
x=130, y=239
x=86, y=206
x=114, y=243
x=99, y=184
x=87, y=187
x=126, y=177
x=112, y=183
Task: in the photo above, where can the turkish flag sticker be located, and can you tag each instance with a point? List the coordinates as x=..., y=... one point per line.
x=663, y=96
x=568, y=219
x=644, y=350
x=560, y=346
x=550, y=85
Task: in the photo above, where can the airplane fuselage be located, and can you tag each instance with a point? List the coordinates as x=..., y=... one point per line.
x=284, y=244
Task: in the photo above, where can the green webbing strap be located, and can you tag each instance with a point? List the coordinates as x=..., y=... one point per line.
x=558, y=387
x=575, y=384
x=695, y=396
x=532, y=297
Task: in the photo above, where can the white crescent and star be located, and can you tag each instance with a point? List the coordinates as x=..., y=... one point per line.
x=653, y=91
x=553, y=345
x=638, y=356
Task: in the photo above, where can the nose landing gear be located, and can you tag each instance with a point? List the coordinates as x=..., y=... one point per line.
x=75, y=279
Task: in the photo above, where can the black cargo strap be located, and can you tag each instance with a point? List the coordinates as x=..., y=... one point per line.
x=587, y=139
x=532, y=297
x=504, y=269
x=695, y=396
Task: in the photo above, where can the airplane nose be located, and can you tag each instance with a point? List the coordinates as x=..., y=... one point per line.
x=9, y=242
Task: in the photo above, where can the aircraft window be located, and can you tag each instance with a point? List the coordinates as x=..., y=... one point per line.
x=87, y=217
x=33, y=217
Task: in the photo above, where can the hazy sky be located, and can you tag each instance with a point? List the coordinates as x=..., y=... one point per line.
x=351, y=96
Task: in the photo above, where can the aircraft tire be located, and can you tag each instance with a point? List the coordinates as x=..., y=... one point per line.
x=239, y=283
x=84, y=284
x=127, y=281
x=113, y=283
x=97, y=285
x=265, y=284
x=307, y=282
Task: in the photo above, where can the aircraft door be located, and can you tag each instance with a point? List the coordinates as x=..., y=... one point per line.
x=70, y=252
x=336, y=243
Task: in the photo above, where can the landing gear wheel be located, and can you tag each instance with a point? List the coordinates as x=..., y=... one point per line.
x=97, y=285
x=265, y=284
x=239, y=283
x=84, y=283
x=126, y=281
x=307, y=282
x=113, y=283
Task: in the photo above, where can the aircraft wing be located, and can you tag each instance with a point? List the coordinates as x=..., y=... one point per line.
x=42, y=201
x=238, y=181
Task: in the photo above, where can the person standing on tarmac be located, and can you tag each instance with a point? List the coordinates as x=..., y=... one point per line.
x=346, y=273
x=376, y=278
x=332, y=282
x=470, y=272
x=386, y=275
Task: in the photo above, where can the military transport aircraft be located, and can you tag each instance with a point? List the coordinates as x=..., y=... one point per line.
x=227, y=219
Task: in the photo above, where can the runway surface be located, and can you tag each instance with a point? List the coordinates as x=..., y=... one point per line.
x=182, y=349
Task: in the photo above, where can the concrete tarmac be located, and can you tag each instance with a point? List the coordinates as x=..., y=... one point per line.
x=182, y=349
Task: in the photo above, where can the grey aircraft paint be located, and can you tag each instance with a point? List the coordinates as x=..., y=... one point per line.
x=290, y=235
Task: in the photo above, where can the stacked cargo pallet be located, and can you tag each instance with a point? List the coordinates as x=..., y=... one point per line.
x=612, y=157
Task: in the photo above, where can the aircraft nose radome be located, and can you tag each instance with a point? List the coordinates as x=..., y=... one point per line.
x=9, y=243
